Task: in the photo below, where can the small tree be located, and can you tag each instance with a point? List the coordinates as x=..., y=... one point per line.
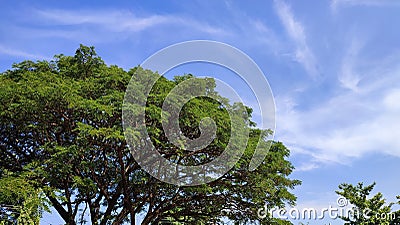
x=368, y=210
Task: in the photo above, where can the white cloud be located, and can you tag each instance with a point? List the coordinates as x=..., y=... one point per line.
x=346, y=3
x=295, y=30
x=18, y=53
x=348, y=77
x=307, y=166
x=263, y=35
x=348, y=125
x=120, y=20
x=117, y=20
x=391, y=100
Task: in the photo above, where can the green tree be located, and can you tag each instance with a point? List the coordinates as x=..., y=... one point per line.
x=21, y=199
x=62, y=121
x=367, y=210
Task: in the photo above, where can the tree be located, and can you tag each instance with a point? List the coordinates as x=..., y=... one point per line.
x=367, y=210
x=22, y=202
x=62, y=121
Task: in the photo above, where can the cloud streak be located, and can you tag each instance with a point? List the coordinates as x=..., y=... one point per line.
x=21, y=54
x=375, y=3
x=295, y=30
x=120, y=20
x=347, y=77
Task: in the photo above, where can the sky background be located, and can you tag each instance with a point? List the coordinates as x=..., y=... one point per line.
x=333, y=66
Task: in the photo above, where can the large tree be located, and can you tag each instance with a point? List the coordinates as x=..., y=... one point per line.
x=61, y=122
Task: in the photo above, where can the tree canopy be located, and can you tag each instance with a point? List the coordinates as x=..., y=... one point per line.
x=62, y=142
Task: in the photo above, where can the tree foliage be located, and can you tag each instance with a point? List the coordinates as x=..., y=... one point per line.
x=22, y=200
x=368, y=210
x=60, y=121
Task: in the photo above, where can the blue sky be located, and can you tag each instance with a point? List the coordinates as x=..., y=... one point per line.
x=333, y=66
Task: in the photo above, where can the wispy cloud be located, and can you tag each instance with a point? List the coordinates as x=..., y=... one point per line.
x=116, y=20
x=120, y=20
x=296, y=31
x=350, y=124
x=307, y=166
x=263, y=34
x=21, y=54
x=348, y=78
x=348, y=3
